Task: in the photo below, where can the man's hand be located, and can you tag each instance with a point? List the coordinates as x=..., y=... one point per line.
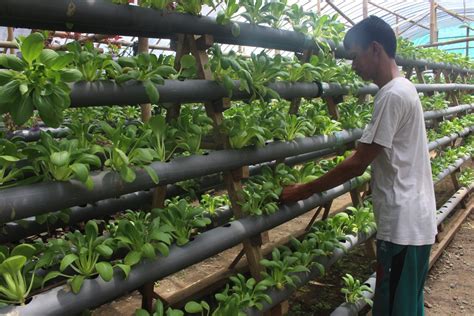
x=295, y=192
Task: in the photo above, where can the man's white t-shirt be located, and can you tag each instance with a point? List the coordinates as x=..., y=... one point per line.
x=402, y=187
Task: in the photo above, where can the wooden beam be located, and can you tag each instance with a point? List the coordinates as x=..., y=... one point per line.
x=340, y=12
x=421, y=18
x=433, y=22
x=456, y=41
x=399, y=16
x=454, y=225
x=365, y=8
x=455, y=15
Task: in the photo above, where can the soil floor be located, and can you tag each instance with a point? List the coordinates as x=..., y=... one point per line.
x=448, y=289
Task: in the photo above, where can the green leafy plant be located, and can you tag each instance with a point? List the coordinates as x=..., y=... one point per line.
x=11, y=173
x=280, y=271
x=62, y=160
x=231, y=7
x=92, y=64
x=128, y=148
x=466, y=177
x=17, y=273
x=82, y=254
x=353, y=290
x=193, y=7
x=213, y=202
x=362, y=218
x=146, y=68
x=38, y=80
x=142, y=235
x=244, y=293
x=289, y=127
x=156, y=4
x=182, y=218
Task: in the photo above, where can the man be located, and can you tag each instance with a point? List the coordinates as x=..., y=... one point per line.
x=395, y=144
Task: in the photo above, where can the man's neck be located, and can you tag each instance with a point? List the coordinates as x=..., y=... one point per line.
x=386, y=73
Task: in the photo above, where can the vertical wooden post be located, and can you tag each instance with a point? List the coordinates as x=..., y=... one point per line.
x=433, y=22
x=408, y=72
x=365, y=8
x=397, y=28
x=145, y=108
x=252, y=246
x=9, y=39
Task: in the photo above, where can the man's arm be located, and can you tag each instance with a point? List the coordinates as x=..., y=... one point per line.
x=353, y=166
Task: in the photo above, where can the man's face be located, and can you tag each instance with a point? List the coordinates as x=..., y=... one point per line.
x=363, y=62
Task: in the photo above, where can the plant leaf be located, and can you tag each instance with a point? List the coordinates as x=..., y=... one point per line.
x=32, y=47
x=105, y=270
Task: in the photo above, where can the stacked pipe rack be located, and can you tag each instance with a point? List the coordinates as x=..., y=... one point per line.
x=112, y=193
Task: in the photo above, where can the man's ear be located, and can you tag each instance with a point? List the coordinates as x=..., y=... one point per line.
x=377, y=48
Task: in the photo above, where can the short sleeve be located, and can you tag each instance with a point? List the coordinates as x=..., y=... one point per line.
x=385, y=121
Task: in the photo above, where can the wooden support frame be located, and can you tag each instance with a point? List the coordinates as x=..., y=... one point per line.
x=232, y=180
x=433, y=22
x=419, y=19
x=329, y=2
x=398, y=15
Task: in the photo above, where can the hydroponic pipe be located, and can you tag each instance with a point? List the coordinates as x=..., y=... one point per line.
x=14, y=231
x=335, y=89
x=458, y=163
x=348, y=309
x=353, y=309
x=187, y=91
x=447, y=139
x=61, y=301
x=30, y=200
x=449, y=206
x=278, y=296
x=430, y=115
x=101, y=16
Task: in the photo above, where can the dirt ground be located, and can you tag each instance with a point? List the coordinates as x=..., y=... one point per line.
x=450, y=284
x=447, y=290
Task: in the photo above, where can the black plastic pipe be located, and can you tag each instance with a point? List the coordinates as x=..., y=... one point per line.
x=14, y=231
x=107, y=92
x=61, y=301
x=335, y=89
x=430, y=115
x=449, y=206
x=447, y=139
x=104, y=17
x=30, y=200
x=458, y=163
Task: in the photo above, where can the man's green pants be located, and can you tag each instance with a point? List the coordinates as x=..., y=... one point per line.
x=401, y=273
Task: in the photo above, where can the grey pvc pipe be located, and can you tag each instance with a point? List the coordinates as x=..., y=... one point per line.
x=458, y=163
x=60, y=301
x=103, y=16
x=107, y=92
x=335, y=89
x=349, y=309
x=429, y=115
x=278, y=296
x=447, y=139
x=449, y=206
x=29, y=200
x=14, y=231
x=34, y=135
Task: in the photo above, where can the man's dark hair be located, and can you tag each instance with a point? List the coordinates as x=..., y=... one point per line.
x=369, y=30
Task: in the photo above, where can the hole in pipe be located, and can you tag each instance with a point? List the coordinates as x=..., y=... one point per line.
x=227, y=225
